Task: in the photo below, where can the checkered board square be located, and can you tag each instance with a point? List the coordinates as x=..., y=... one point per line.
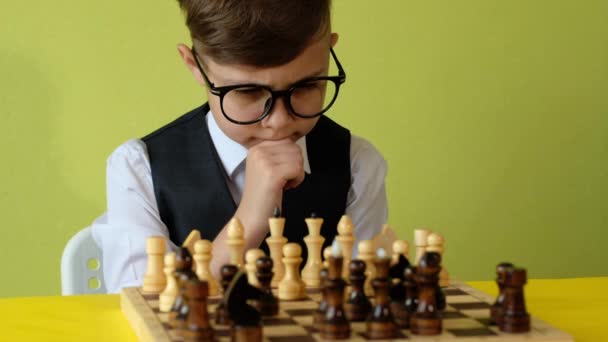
x=466, y=318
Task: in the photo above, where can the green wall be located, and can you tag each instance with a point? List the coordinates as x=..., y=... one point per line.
x=493, y=117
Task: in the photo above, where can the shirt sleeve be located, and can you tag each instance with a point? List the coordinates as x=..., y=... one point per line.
x=366, y=202
x=132, y=216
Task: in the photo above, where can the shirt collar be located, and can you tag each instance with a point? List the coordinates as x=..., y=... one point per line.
x=233, y=154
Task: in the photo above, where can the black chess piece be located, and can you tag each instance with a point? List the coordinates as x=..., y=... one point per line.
x=183, y=273
x=319, y=314
x=227, y=273
x=381, y=324
x=197, y=322
x=357, y=306
x=246, y=320
x=515, y=318
x=496, y=308
x=268, y=304
x=398, y=292
x=427, y=318
x=335, y=325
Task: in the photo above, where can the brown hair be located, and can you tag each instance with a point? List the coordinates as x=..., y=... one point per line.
x=255, y=32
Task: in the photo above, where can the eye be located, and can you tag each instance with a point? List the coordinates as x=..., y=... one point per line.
x=249, y=91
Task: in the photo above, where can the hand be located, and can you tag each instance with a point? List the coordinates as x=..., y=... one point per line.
x=271, y=168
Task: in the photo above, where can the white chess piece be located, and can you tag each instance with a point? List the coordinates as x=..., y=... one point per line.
x=291, y=287
x=314, y=243
x=275, y=243
x=167, y=297
x=346, y=239
x=236, y=241
x=367, y=255
x=154, y=278
x=435, y=243
x=400, y=247
x=202, y=257
x=420, y=237
x=251, y=256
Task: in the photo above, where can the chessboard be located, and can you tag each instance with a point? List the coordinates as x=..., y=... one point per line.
x=466, y=318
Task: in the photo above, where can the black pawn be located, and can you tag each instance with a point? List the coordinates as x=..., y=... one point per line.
x=357, y=306
x=398, y=292
x=221, y=313
x=317, y=316
x=268, y=304
x=183, y=273
x=427, y=318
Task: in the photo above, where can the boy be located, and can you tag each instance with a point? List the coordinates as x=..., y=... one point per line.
x=260, y=142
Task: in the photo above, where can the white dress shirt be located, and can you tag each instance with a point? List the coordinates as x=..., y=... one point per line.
x=132, y=213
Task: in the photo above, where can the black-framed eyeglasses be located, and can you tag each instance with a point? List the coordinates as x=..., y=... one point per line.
x=246, y=104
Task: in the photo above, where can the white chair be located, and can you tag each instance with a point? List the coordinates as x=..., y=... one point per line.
x=81, y=269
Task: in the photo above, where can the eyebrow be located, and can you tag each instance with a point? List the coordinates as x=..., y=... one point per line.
x=231, y=82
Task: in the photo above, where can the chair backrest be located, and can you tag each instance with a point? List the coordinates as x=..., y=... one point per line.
x=81, y=269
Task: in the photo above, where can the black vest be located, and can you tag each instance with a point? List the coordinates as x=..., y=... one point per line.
x=191, y=190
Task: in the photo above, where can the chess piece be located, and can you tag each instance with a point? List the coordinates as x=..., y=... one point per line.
x=496, y=312
x=357, y=306
x=335, y=325
x=268, y=304
x=167, y=297
x=275, y=243
x=291, y=287
x=183, y=272
x=191, y=239
x=411, y=297
x=367, y=255
x=235, y=240
x=346, y=239
x=202, y=258
x=197, y=328
x=420, y=239
x=400, y=247
x=227, y=273
x=385, y=238
x=397, y=290
x=515, y=318
x=251, y=257
x=427, y=318
x=314, y=243
x=435, y=243
x=246, y=320
x=154, y=279
x=326, y=255
x=319, y=314
x=381, y=324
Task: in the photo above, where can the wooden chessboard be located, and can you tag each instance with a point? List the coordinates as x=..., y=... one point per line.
x=466, y=318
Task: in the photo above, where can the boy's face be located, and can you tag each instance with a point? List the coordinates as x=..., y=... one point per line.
x=279, y=124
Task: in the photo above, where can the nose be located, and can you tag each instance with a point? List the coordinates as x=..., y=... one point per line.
x=279, y=115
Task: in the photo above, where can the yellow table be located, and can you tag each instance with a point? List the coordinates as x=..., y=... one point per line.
x=577, y=306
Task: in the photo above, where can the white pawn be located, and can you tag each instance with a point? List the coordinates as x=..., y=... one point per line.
x=291, y=287
x=202, y=257
x=326, y=255
x=400, y=247
x=167, y=297
x=251, y=257
x=154, y=278
x=236, y=241
x=275, y=243
x=314, y=243
x=367, y=255
x=346, y=239
x=435, y=243
x=420, y=239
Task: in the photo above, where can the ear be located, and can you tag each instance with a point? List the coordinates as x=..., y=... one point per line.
x=190, y=63
x=333, y=39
